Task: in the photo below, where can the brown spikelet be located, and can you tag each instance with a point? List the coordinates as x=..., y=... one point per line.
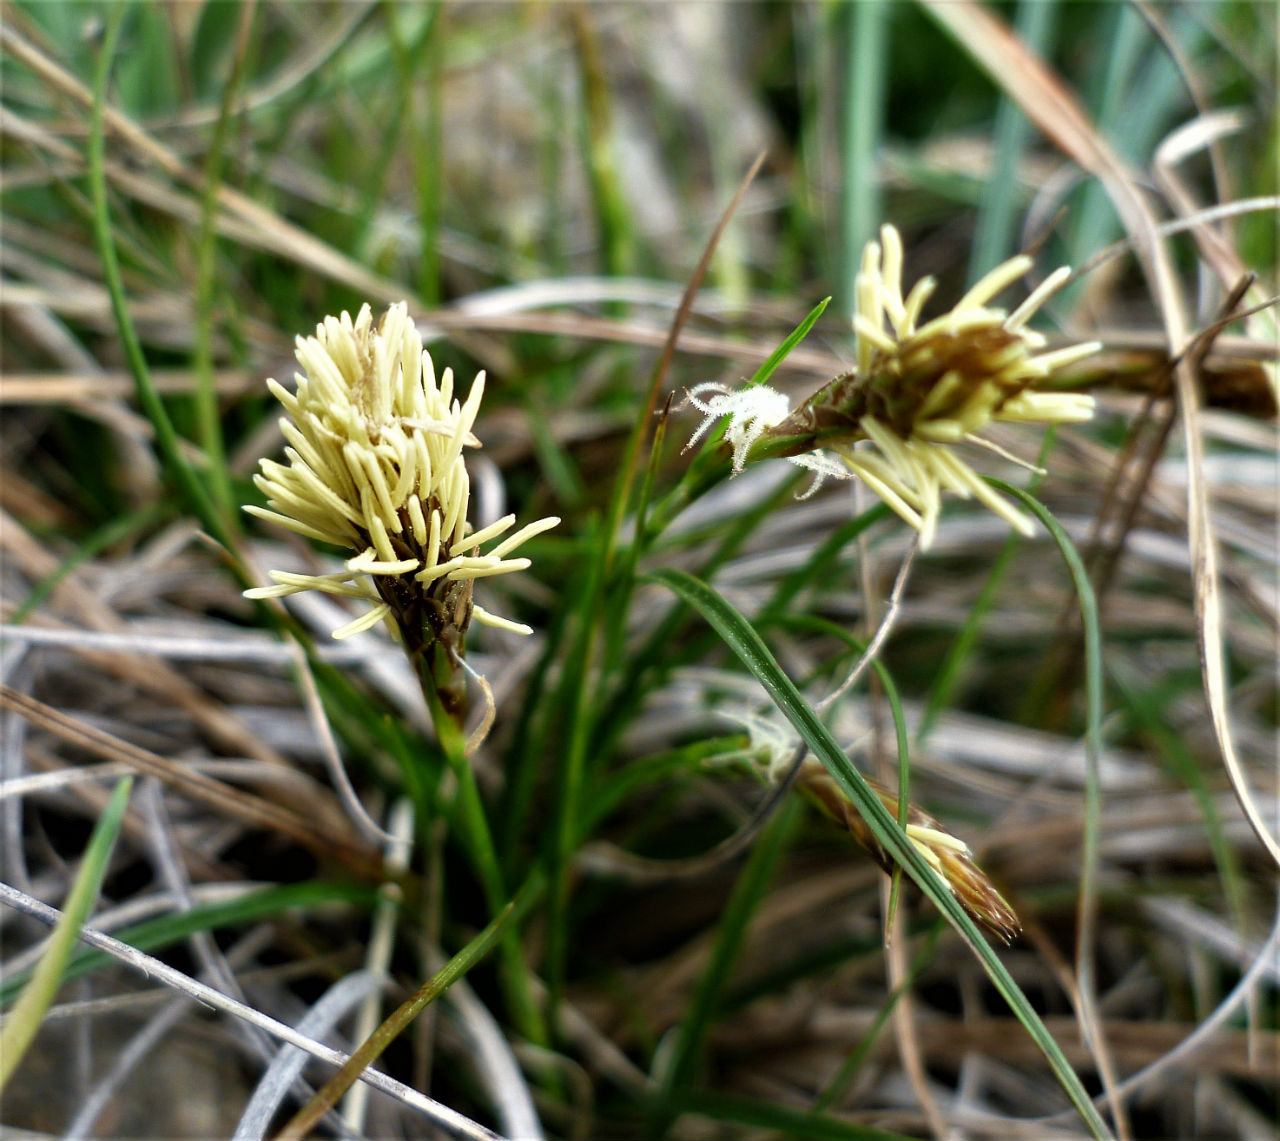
x=947, y=855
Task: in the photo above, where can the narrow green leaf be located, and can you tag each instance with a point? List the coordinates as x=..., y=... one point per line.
x=682, y=1062
x=179, y=470
x=785, y=1120
x=1002, y=203
x=865, y=41
x=798, y=334
x=20, y=1027
x=750, y=648
x=1090, y=845
x=399, y=1020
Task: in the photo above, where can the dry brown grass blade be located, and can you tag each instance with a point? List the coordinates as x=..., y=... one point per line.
x=245, y=807
x=1054, y=108
x=152, y=675
x=272, y=232
x=1056, y=111
x=70, y=388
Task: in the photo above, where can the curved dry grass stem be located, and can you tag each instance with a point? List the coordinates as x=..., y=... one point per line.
x=881, y=635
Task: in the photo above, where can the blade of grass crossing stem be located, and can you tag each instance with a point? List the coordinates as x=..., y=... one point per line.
x=866, y=42
x=1087, y=915
x=682, y=1062
x=750, y=648
x=22, y=1023
x=189, y=484
x=994, y=236
x=398, y=1021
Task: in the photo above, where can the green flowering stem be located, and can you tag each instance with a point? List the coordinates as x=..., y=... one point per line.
x=477, y=837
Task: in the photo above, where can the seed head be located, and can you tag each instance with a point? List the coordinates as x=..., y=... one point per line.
x=946, y=854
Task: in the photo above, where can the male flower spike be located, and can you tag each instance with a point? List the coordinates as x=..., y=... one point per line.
x=376, y=467
x=917, y=390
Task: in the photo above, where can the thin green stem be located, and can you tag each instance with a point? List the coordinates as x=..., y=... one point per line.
x=181, y=472
x=866, y=26
x=208, y=416
x=477, y=838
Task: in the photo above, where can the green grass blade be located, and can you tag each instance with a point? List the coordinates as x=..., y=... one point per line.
x=399, y=1020
x=755, y=655
x=183, y=475
x=208, y=416
x=994, y=236
x=784, y=1120
x=866, y=26
x=817, y=568
x=682, y=1063
x=798, y=334
x=20, y=1027
x=948, y=675
x=164, y=931
x=852, y=1064
x=105, y=536
x=1087, y=921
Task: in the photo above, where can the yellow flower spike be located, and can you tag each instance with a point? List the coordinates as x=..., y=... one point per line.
x=918, y=390
x=375, y=465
